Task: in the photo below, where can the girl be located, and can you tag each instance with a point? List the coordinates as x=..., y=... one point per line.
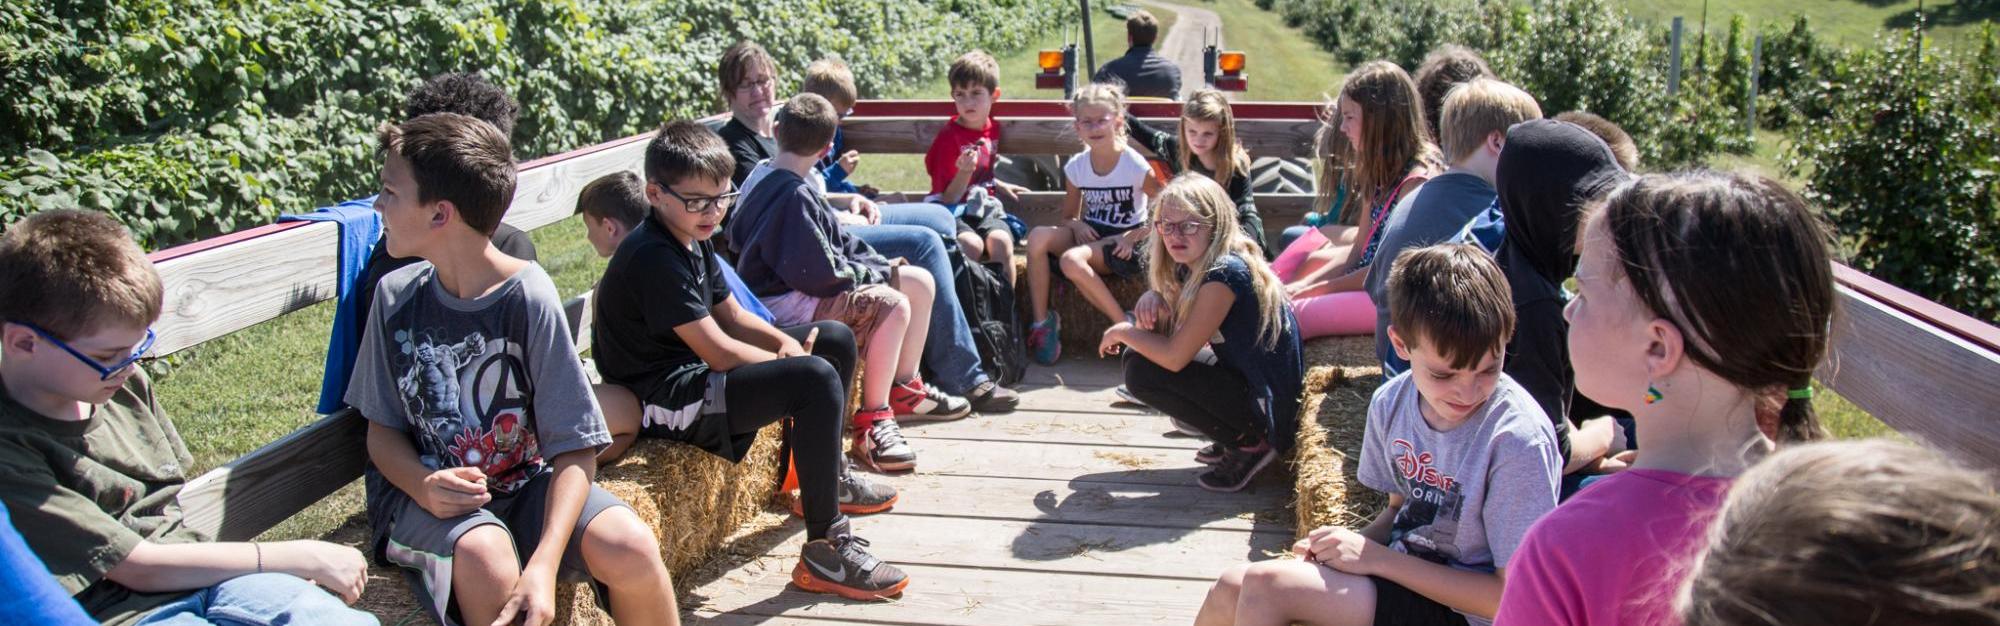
x=1392, y=155
x=1851, y=532
x=1208, y=134
x=1104, y=217
x=1214, y=344
x=1702, y=309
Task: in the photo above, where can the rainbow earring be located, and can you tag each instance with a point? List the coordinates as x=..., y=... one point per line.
x=1653, y=394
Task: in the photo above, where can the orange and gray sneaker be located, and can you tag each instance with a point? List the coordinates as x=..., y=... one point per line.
x=839, y=565
x=858, y=495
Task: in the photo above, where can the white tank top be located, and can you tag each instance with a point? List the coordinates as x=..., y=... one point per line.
x=1118, y=199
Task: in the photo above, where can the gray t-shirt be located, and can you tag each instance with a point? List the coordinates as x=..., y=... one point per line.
x=1470, y=493
x=491, y=382
x=1435, y=213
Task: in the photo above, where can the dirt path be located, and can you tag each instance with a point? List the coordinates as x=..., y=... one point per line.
x=1183, y=40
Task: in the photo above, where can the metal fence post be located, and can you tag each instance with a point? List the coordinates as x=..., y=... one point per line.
x=1750, y=107
x=1674, y=59
x=1089, y=47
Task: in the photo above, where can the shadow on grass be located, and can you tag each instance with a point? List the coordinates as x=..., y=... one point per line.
x=1947, y=15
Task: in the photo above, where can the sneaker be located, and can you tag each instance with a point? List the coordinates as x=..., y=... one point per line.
x=1209, y=454
x=839, y=565
x=883, y=448
x=1237, y=466
x=990, y=397
x=1045, y=340
x=918, y=401
x=1185, y=428
x=1125, y=395
x=858, y=495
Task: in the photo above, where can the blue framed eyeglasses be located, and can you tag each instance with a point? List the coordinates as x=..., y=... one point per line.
x=104, y=372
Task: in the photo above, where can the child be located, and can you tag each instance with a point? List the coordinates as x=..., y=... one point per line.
x=886, y=302
x=1217, y=350
x=1466, y=457
x=712, y=375
x=960, y=162
x=1104, y=213
x=1621, y=143
x=1547, y=173
x=1443, y=70
x=921, y=232
x=1208, y=134
x=1851, y=532
x=1673, y=321
x=482, y=429
x=1391, y=156
x=90, y=467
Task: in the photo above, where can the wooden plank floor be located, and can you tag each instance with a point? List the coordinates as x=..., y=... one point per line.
x=1072, y=510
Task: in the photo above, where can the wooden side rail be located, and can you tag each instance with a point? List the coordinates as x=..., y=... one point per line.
x=1923, y=379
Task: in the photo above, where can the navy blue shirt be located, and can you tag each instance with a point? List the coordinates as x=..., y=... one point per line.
x=1276, y=374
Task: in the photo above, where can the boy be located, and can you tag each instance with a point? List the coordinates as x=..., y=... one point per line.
x=1466, y=455
x=91, y=468
x=1622, y=146
x=886, y=302
x=711, y=374
x=901, y=230
x=960, y=162
x=482, y=428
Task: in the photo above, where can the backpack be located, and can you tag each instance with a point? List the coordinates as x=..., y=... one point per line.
x=988, y=302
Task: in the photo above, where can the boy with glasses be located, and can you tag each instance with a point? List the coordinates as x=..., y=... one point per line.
x=91, y=468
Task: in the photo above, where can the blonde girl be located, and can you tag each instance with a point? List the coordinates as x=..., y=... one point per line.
x=1206, y=144
x=1213, y=344
x=1104, y=218
x=1392, y=154
x=1702, y=309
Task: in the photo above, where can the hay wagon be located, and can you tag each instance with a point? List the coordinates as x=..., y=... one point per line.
x=1073, y=510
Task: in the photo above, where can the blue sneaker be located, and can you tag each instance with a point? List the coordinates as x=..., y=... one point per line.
x=1045, y=340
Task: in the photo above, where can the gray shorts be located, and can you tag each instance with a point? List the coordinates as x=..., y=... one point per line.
x=410, y=537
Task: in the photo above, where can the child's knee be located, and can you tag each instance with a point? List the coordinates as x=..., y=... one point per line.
x=486, y=547
x=1042, y=239
x=1076, y=261
x=617, y=545
x=916, y=283
x=1000, y=240
x=971, y=245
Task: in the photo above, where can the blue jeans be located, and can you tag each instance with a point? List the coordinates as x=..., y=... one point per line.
x=258, y=600
x=1291, y=234
x=919, y=232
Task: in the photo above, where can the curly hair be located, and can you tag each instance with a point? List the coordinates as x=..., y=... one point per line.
x=464, y=93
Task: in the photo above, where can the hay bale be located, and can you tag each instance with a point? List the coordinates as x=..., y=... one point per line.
x=1341, y=376
x=1082, y=325
x=691, y=499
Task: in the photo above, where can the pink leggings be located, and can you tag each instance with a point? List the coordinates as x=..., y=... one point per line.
x=1343, y=313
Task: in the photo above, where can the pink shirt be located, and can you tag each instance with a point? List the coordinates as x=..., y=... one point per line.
x=1613, y=554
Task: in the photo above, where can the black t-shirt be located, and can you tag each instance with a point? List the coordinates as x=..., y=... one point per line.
x=747, y=147
x=653, y=285
x=508, y=239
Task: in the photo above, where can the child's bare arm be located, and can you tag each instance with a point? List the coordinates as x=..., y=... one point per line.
x=533, y=597
x=968, y=163
x=1377, y=529
x=1211, y=304
x=1351, y=552
x=163, y=567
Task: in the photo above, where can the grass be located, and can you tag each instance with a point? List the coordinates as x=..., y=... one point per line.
x=1852, y=22
x=1283, y=65
x=228, y=396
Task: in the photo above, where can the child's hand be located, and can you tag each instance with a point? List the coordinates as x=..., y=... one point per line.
x=1010, y=191
x=1150, y=311
x=867, y=210
x=1304, y=290
x=869, y=190
x=850, y=161
x=1080, y=231
x=788, y=348
x=456, y=491
x=1114, y=339
x=1122, y=245
x=1343, y=550
x=968, y=159
x=532, y=601
x=339, y=569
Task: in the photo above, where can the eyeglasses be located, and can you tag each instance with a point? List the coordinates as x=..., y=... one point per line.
x=756, y=84
x=1101, y=122
x=1188, y=228
x=104, y=372
x=704, y=204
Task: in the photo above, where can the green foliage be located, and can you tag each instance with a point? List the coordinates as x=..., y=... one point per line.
x=1905, y=166
x=192, y=118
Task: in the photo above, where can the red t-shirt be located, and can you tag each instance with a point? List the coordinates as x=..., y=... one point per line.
x=942, y=159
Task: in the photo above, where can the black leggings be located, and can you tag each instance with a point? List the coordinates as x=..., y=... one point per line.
x=813, y=392
x=1213, y=399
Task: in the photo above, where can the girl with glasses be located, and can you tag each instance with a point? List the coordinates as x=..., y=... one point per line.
x=1213, y=344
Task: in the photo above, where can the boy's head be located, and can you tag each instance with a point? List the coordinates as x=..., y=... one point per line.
x=806, y=125
x=73, y=286
x=1622, y=146
x=612, y=206
x=440, y=169
x=749, y=79
x=688, y=165
x=1141, y=29
x=464, y=93
x=1450, y=315
x=975, y=84
x=831, y=79
x=1443, y=69
x=1477, y=115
